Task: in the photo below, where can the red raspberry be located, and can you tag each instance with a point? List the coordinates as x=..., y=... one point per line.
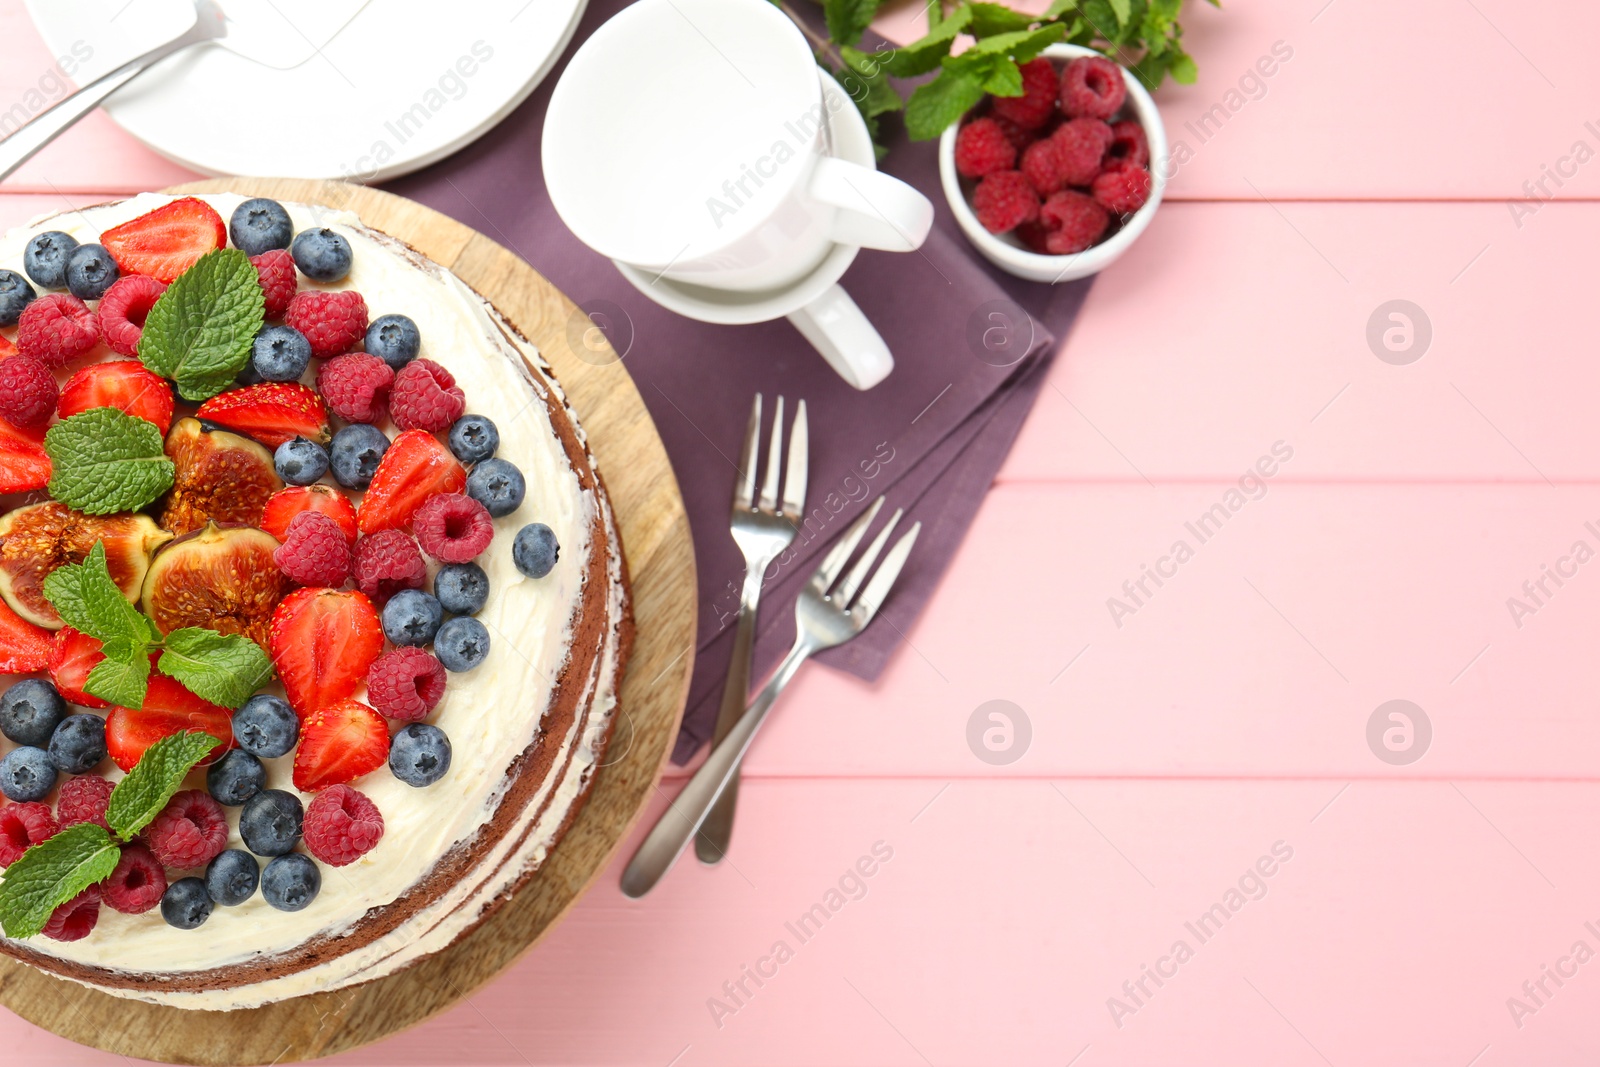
x=341, y=826
x=983, y=148
x=1092, y=86
x=1019, y=136
x=21, y=827
x=355, y=386
x=1129, y=142
x=1005, y=200
x=75, y=919
x=278, y=280
x=314, y=551
x=27, y=392
x=123, y=310
x=334, y=323
x=138, y=882
x=425, y=397
x=405, y=684
x=1072, y=222
x=453, y=527
x=387, y=562
x=190, y=832
x=84, y=799
x=1080, y=146
x=56, y=329
x=1123, y=187
x=1037, y=104
x=1033, y=236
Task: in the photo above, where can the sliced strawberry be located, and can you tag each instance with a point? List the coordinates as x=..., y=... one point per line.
x=125, y=385
x=24, y=647
x=285, y=504
x=73, y=654
x=416, y=467
x=24, y=465
x=271, y=412
x=339, y=744
x=167, y=241
x=8, y=347
x=323, y=641
x=168, y=709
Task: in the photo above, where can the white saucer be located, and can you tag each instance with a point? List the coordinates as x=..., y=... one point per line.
x=851, y=142
x=390, y=93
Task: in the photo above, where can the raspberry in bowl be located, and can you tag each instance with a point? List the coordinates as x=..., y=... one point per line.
x=1054, y=185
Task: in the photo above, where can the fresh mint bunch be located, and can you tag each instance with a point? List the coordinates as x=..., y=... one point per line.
x=53, y=872
x=222, y=668
x=1143, y=35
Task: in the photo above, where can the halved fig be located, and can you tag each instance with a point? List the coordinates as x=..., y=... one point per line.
x=221, y=477
x=35, y=540
x=221, y=578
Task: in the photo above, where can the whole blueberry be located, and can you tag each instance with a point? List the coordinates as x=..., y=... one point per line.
x=474, y=438
x=90, y=272
x=394, y=339
x=45, y=258
x=461, y=644
x=419, y=755
x=355, y=453
x=412, y=617
x=79, y=744
x=15, y=294
x=270, y=822
x=232, y=877
x=186, y=904
x=300, y=462
x=260, y=225
x=27, y=774
x=235, y=778
x=462, y=588
x=498, y=486
x=280, y=354
x=266, y=726
x=291, y=882
x=30, y=711
x=535, y=550
x=321, y=255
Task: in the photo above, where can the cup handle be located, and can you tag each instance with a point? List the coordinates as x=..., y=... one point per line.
x=837, y=328
x=875, y=210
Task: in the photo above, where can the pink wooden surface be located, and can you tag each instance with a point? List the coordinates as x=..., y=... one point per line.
x=1229, y=712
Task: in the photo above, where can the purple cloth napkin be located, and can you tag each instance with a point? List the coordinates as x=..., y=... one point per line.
x=972, y=346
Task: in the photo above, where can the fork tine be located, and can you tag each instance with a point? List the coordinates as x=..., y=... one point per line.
x=878, y=589
x=839, y=554
x=794, y=479
x=858, y=573
x=744, y=490
x=769, y=487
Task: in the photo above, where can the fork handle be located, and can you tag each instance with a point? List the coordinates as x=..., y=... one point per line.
x=688, y=810
x=55, y=120
x=711, y=843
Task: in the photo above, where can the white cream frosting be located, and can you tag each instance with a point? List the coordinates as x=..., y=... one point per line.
x=491, y=714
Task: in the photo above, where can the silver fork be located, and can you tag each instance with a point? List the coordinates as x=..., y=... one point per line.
x=762, y=529
x=823, y=619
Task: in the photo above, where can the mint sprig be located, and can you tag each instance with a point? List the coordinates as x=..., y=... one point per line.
x=104, y=460
x=53, y=872
x=222, y=668
x=200, y=332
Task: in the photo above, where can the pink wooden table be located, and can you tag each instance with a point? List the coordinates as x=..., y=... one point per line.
x=1215, y=728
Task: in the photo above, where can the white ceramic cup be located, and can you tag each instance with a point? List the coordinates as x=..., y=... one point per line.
x=691, y=141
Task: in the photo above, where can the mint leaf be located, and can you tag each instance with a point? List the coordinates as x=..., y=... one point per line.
x=200, y=331
x=940, y=102
x=867, y=82
x=123, y=677
x=104, y=460
x=225, y=669
x=989, y=19
x=1022, y=45
x=159, y=774
x=1058, y=8
x=848, y=19
x=88, y=600
x=925, y=54
x=1123, y=9
x=51, y=873
x=1182, y=68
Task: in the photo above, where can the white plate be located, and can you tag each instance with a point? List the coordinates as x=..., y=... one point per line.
x=404, y=83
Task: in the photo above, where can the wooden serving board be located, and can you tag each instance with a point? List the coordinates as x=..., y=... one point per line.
x=655, y=536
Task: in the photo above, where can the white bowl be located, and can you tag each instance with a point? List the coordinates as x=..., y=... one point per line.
x=1006, y=252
